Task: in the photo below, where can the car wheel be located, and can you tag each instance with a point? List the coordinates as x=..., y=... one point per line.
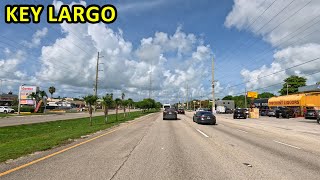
x=318, y=120
x=234, y=117
x=5, y=112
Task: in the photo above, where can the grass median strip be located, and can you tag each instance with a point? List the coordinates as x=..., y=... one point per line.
x=17, y=141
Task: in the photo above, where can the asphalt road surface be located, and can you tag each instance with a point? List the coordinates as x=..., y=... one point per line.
x=30, y=119
x=152, y=148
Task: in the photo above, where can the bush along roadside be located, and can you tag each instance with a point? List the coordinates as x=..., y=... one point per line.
x=17, y=141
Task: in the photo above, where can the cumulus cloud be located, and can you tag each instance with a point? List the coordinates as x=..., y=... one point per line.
x=171, y=61
x=36, y=38
x=293, y=33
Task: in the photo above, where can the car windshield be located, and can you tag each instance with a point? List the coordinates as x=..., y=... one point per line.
x=160, y=89
x=205, y=113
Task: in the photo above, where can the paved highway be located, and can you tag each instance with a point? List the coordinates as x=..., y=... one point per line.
x=151, y=148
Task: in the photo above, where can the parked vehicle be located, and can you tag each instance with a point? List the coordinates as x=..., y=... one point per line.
x=240, y=113
x=181, y=111
x=170, y=113
x=312, y=114
x=204, y=117
x=285, y=112
x=263, y=112
x=229, y=111
x=271, y=113
x=221, y=109
x=6, y=109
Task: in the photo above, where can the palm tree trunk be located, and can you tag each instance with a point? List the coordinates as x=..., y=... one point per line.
x=90, y=119
x=117, y=113
x=90, y=112
x=105, y=114
x=124, y=111
x=129, y=110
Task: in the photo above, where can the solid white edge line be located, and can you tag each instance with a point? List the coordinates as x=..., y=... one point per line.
x=242, y=131
x=286, y=144
x=202, y=133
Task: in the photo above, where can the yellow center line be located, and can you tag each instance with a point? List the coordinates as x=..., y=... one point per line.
x=66, y=149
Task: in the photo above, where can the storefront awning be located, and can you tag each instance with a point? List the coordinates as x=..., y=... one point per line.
x=290, y=100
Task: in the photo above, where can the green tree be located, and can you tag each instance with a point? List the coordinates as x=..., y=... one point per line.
x=43, y=94
x=107, y=102
x=291, y=85
x=130, y=104
x=117, y=102
x=52, y=90
x=228, y=98
x=266, y=95
x=90, y=100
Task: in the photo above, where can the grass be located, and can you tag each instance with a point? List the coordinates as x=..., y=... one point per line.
x=4, y=115
x=16, y=141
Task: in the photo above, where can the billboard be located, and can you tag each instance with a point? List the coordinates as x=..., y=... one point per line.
x=252, y=94
x=24, y=94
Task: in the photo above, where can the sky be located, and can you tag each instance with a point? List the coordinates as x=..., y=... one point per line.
x=255, y=44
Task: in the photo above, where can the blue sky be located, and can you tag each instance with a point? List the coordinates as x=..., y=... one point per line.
x=219, y=28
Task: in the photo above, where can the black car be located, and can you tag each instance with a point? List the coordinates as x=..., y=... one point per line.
x=204, y=117
x=284, y=112
x=239, y=113
x=170, y=113
x=312, y=114
x=263, y=112
x=181, y=111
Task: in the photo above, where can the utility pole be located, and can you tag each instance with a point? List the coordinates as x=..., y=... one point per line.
x=213, y=100
x=187, y=97
x=245, y=98
x=97, y=75
x=1, y=86
x=287, y=89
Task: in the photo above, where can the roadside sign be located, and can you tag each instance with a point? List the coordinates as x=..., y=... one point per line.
x=252, y=94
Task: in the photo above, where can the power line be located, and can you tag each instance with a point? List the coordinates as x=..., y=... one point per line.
x=280, y=41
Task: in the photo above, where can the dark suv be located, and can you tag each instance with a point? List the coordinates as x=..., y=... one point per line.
x=312, y=114
x=239, y=113
x=285, y=112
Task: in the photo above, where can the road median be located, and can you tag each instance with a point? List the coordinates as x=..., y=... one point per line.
x=17, y=141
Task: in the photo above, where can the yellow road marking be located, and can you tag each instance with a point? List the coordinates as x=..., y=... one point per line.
x=66, y=149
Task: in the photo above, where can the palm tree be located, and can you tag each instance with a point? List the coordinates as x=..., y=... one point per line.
x=117, y=102
x=130, y=104
x=107, y=102
x=42, y=95
x=52, y=90
x=34, y=96
x=90, y=100
x=123, y=104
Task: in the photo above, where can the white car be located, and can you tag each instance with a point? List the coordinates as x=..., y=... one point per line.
x=6, y=109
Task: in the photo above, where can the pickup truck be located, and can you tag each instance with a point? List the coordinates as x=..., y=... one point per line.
x=6, y=109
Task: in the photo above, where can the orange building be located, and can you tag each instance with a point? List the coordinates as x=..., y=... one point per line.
x=297, y=101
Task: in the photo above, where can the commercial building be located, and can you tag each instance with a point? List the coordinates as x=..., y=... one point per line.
x=8, y=99
x=308, y=97
x=261, y=103
x=227, y=103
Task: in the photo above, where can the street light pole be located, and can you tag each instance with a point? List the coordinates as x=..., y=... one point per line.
x=287, y=89
x=213, y=100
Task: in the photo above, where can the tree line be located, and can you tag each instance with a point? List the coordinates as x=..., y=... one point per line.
x=109, y=102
